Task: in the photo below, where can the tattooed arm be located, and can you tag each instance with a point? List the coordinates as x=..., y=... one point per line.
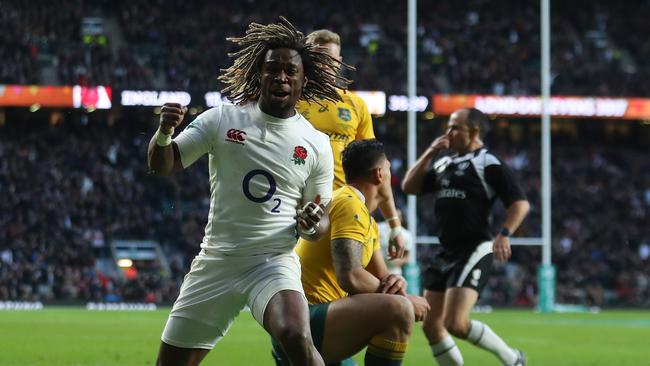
x=350, y=274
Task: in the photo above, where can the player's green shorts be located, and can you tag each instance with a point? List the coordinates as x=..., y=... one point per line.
x=317, y=315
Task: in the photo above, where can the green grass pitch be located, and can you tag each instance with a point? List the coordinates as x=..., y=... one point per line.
x=73, y=336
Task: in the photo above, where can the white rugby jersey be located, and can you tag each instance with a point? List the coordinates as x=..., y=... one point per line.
x=262, y=169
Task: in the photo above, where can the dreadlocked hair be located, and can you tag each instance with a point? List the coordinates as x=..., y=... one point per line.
x=243, y=77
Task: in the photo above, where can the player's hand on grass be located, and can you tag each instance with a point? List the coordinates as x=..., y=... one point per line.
x=309, y=216
x=171, y=116
x=420, y=307
x=396, y=244
x=501, y=248
x=393, y=284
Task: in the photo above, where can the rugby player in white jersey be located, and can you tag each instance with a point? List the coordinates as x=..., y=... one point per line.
x=271, y=179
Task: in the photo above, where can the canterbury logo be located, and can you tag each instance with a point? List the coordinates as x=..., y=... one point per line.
x=236, y=136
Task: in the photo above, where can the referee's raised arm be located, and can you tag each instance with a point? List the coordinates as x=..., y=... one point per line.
x=163, y=156
x=412, y=183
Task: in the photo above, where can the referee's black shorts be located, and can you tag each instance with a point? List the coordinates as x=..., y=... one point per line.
x=471, y=272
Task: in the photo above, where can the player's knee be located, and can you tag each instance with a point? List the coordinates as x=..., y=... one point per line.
x=402, y=314
x=292, y=337
x=434, y=330
x=457, y=327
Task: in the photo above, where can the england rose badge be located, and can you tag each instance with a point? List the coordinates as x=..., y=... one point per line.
x=299, y=155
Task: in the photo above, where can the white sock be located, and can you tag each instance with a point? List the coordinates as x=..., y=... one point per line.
x=447, y=353
x=483, y=336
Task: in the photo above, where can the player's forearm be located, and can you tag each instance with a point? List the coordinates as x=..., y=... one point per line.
x=400, y=261
x=387, y=206
x=515, y=214
x=163, y=155
x=358, y=281
x=377, y=266
x=347, y=256
x=412, y=183
x=160, y=158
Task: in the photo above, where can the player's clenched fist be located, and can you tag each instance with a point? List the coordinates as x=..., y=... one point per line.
x=171, y=116
x=308, y=217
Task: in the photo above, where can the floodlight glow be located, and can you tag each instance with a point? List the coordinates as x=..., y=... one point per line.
x=125, y=263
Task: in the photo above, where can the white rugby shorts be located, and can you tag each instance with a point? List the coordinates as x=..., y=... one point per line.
x=218, y=287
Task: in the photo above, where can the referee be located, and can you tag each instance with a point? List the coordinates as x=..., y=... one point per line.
x=464, y=185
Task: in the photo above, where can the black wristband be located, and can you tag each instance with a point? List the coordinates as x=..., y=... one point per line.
x=505, y=232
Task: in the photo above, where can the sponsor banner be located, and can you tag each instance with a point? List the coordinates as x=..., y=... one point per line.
x=375, y=100
x=402, y=103
x=531, y=106
x=638, y=108
x=21, y=305
x=98, y=97
x=214, y=98
x=153, y=98
x=28, y=95
x=120, y=306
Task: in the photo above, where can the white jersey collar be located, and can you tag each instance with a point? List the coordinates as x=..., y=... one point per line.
x=273, y=121
x=468, y=156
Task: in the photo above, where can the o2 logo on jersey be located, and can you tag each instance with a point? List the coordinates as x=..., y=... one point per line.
x=344, y=114
x=268, y=195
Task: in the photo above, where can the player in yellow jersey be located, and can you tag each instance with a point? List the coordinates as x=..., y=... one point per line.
x=345, y=121
x=354, y=301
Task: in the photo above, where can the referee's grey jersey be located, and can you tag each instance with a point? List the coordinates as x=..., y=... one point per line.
x=465, y=188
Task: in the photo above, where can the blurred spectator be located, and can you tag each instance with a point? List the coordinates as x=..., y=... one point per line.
x=68, y=190
x=598, y=47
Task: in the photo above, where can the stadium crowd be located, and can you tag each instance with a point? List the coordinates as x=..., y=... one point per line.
x=468, y=49
x=66, y=190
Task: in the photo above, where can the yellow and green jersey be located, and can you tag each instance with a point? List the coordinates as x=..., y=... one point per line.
x=343, y=122
x=350, y=219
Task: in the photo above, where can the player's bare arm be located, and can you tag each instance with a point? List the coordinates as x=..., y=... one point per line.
x=515, y=214
x=350, y=274
x=396, y=242
x=389, y=283
x=412, y=183
x=400, y=262
x=395, y=284
x=163, y=156
x=386, y=203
